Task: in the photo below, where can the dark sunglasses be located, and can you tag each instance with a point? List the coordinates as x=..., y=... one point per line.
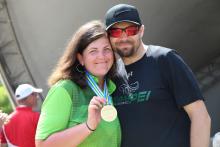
x=117, y=32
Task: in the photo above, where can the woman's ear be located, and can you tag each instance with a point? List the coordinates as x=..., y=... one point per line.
x=80, y=58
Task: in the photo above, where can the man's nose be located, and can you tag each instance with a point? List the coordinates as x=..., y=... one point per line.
x=123, y=35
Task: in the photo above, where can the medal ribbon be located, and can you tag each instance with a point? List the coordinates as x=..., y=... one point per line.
x=93, y=85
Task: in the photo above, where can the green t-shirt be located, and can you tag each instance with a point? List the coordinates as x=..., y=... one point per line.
x=66, y=105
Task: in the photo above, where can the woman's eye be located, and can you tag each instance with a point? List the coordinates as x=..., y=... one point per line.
x=92, y=51
x=108, y=49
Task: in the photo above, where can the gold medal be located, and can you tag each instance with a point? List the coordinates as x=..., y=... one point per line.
x=108, y=113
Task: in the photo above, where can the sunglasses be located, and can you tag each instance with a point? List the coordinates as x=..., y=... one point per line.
x=117, y=32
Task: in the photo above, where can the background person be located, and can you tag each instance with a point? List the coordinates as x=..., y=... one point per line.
x=21, y=128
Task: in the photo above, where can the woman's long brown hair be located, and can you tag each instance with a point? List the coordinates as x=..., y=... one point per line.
x=68, y=65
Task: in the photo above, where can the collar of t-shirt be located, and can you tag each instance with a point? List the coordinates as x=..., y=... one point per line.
x=24, y=108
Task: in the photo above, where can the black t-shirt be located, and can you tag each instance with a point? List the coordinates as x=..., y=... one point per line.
x=150, y=106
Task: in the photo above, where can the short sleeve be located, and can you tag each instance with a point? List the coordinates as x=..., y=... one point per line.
x=180, y=78
x=55, y=113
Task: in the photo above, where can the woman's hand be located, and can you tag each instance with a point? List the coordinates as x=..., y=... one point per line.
x=94, y=111
x=3, y=118
x=73, y=136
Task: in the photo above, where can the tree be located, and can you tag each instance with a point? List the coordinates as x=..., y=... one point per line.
x=5, y=104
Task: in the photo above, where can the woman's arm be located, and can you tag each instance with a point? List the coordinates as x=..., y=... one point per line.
x=69, y=137
x=72, y=137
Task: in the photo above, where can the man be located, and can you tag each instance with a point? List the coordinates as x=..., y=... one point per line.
x=161, y=106
x=21, y=128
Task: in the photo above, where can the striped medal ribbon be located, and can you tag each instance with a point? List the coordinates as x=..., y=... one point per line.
x=108, y=112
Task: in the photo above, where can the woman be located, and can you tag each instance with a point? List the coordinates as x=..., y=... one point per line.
x=70, y=114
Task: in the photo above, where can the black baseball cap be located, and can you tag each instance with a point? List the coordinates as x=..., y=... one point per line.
x=121, y=13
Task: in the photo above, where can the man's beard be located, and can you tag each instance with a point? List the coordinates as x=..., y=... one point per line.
x=126, y=52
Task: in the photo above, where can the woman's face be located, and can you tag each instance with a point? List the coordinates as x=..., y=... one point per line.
x=97, y=58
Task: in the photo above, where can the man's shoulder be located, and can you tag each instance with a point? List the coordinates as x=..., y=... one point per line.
x=157, y=51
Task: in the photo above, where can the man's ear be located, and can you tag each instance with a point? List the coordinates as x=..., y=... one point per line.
x=80, y=58
x=142, y=31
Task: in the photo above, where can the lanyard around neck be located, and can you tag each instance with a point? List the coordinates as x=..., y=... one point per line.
x=93, y=85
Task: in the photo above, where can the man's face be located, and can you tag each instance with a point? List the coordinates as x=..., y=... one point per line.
x=125, y=38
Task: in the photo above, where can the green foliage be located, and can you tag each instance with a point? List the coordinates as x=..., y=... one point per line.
x=5, y=104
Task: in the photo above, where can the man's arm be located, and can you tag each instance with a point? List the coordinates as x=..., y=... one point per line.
x=200, y=124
